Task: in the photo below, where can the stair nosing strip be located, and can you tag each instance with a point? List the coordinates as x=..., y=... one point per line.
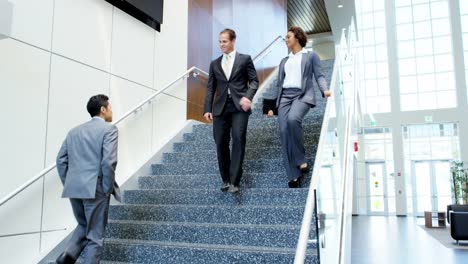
x=218, y=247
x=204, y=224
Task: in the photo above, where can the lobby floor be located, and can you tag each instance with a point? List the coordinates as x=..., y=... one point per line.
x=399, y=240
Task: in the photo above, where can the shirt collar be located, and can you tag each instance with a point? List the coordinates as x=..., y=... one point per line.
x=98, y=118
x=300, y=52
x=231, y=54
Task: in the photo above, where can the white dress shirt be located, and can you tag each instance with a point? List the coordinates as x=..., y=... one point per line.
x=293, y=70
x=228, y=62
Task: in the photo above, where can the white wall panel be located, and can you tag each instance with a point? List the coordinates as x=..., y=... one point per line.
x=71, y=86
x=132, y=49
x=134, y=134
x=82, y=31
x=171, y=44
x=32, y=21
x=24, y=74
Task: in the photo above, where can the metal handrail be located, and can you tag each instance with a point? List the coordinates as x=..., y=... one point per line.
x=258, y=56
x=309, y=207
x=196, y=71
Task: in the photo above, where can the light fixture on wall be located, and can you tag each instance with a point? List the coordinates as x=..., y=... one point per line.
x=340, y=4
x=6, y=17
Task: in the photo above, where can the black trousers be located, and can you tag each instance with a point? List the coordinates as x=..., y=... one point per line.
x=235, y=121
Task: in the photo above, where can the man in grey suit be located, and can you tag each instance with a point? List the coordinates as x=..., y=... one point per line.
x=86, y=165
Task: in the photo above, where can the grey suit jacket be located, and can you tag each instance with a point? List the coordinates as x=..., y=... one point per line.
x=88, y=157
x=310, y=66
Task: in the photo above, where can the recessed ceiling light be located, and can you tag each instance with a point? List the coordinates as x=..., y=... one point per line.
x=340, y=6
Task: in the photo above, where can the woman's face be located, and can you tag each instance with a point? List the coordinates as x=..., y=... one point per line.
x=291, y=40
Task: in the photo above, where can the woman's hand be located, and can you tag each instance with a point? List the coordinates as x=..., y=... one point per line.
x=270, y=113
x=327, y=93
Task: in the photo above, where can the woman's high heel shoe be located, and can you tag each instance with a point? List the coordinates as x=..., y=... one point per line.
x=304, y=167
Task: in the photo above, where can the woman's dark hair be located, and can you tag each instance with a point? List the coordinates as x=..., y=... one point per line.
x=299, y=34
x=230, y=32
x=95, y=103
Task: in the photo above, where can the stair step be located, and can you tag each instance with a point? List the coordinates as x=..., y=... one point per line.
x=262, y=215
x=219, y=234
x=141, y=251
x=268, y=123
x=211, y=181
x=251, y=153
x=216, y=197
x=211, y=166
x=272, y=138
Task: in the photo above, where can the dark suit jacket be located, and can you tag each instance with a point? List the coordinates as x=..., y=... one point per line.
x=311, y=70
x=243, y=82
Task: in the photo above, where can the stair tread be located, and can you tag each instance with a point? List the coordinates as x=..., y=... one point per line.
x=253, y=249
x=197, y=224
x=209, y=206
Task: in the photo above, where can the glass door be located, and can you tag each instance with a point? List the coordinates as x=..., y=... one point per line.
x=377, y=187
x=431, y=186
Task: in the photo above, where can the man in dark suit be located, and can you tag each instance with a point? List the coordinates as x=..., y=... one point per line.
x=86, y=165
x=232, y=85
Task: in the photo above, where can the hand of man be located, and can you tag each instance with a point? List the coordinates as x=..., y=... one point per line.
x=270, y=113
x=208, y=117
x=327, y=93
x=245, y=104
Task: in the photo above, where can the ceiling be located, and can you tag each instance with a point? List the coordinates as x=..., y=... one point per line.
x=311, y=15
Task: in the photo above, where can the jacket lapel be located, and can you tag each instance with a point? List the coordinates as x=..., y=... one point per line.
x=304, y=60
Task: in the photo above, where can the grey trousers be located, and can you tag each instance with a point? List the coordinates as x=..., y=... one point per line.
x=291, y=113
x=91, y=215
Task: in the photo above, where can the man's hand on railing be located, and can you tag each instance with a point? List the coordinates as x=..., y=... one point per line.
x=208, y=117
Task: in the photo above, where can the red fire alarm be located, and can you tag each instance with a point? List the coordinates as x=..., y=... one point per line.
x=356, y=147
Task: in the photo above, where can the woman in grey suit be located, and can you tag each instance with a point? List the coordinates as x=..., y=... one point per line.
x=296, y=95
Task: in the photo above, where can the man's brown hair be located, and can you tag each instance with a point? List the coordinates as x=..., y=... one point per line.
x=230, y=32
x=299, y=34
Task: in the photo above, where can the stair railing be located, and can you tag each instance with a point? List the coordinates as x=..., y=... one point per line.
x=335, y=150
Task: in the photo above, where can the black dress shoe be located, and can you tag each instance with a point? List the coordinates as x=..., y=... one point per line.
x=65, y=259
x=305, y=169
x=225, y=187
x=294, y=183
x=233, y=189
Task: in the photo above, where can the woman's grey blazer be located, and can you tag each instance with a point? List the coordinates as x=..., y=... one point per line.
x=310, y=65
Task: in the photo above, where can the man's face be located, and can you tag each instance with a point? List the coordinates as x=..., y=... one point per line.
x=106, y=113
x=225, y=44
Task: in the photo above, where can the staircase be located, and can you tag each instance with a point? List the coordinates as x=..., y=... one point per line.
x=179, y=215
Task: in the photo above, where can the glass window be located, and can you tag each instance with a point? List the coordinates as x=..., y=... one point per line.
x=408, y=84
x=424, y=47
x=426, y=83
x=373, y=64
x=442, y=45
x=405, y=32
x=464, y=24
x=406, y=49
x=428, y=65
x=404, y=15
x=421, y=12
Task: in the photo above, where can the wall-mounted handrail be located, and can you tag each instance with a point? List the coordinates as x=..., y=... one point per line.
x=193, y=70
